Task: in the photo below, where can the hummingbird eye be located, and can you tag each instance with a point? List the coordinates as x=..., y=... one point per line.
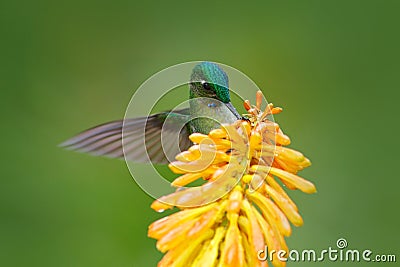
x=206, y=85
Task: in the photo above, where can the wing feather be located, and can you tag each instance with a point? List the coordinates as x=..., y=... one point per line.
x=141, y=139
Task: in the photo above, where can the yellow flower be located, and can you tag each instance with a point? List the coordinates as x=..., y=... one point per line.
x=242, y=207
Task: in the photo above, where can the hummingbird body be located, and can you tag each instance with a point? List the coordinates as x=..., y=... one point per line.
x=208, y=114
x=209, y=107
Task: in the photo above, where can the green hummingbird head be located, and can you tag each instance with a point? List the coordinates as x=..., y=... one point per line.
x=209, y=80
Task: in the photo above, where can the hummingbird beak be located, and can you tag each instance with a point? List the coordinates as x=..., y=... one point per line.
x=233, y=110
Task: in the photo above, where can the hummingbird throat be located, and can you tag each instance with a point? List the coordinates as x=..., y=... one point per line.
x=208, y=114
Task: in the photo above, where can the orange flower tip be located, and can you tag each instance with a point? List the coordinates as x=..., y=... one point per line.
x=259, y=97
x=159, y=206
x=267, y=110
x=247, y=105
x=276, y=110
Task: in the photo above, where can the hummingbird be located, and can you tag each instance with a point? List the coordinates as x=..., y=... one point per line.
x=209, y=107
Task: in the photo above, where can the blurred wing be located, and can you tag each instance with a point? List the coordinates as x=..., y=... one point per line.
x=106, y=139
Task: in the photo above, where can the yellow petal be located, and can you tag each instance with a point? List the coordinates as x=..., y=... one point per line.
x=295, y=180
x=187, y=156
x=167, y=260
x=218, y=133
x=197, y=138
x=203, y=223
x=250, y=256
x=224, y=142
x=256, y=182
x=282, y=139
x=221, y=157
x=285, y=206
x=275, y=185
x=187, y=179
x=271, y=212
x=259, y=97
x=273, y=241
x=210, y=191
x=175, y=237
x=259, y=168
x=238, y=140
x=209, y=254
x=254, y=232
x=219, y=172
x=247, y=178
x=285, y=165
x=191, y=249
x=207, y=220
x=175, y=169
x=235, y=200
x=233, y=253
x=244, y=225
x=162, y=226
x=246, y=125
x=291, y=154
x=193, y=166
x=160, y=206
x=255, y=139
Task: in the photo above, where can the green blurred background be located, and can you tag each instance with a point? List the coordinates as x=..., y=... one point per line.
x=332, y=65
